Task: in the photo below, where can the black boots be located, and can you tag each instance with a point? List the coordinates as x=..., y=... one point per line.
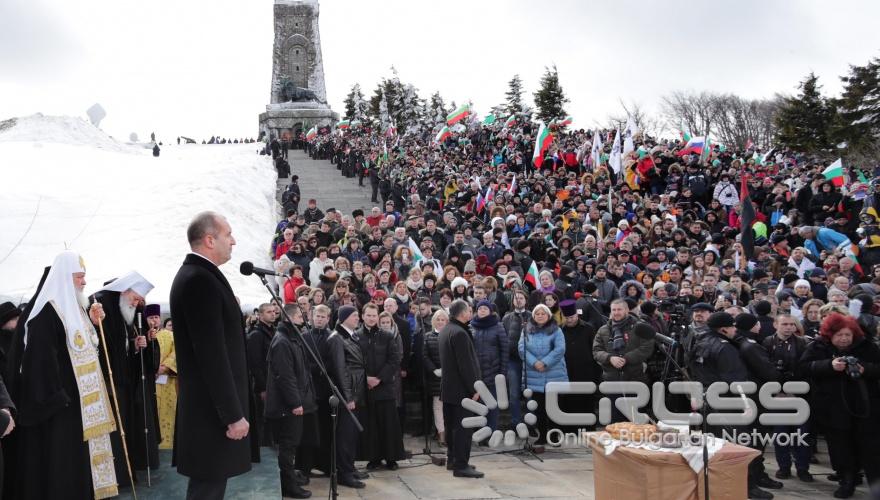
x=847, y=485
x=291, y=489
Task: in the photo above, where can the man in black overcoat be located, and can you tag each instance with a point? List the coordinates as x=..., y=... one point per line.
x=345, y=364
x=578, y=361
x=211, y=441
x=382, y=438
x=460, y=369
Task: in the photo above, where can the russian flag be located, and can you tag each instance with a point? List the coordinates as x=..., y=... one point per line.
x=694, y=146
x=617, y=239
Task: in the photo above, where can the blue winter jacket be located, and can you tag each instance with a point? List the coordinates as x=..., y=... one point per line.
x=546, y=344
x=491, y=343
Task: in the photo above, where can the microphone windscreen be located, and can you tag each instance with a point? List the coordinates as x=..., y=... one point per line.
x=247, y=268
x=644, y=331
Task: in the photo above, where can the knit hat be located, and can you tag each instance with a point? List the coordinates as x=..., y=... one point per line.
x=345, y=312
x=762, y=308
x=459, y=281
x=590, y=288
x=746, y=321
x=720, y=320
x=485, y=303
x=470, y=266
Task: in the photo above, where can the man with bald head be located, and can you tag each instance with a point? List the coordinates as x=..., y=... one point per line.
x=213, y=399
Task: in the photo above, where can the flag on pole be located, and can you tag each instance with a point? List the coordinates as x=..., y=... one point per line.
x=343, y=124
x=747, y=234
x=511, y=121
x=414, y=250
x=442, y=135
x=542, y=144
x=489, y=120
x=707, y=150
x=512, y=188
x=628, y=133
x=694, y=146
x=458, y=115
x=356, y=123
x=565, y=121
x=685, y=135
x=834, y=173
x=749, y=144
x=596, y=151
x=312, y=133
x=618, y=239
x=615, y=160
x=531, y=276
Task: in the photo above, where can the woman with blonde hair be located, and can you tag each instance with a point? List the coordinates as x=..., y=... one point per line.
x=433, y=372
x=542, y=347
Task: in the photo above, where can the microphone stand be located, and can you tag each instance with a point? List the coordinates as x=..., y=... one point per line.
x=333, y=389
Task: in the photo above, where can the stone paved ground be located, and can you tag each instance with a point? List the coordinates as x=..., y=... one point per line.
x=565, y=473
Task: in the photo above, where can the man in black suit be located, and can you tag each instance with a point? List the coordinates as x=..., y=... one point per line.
x=347, y=367
x=459, y=370
x=212, y=441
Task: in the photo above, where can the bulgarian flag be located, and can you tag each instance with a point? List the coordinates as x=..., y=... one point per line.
x=312, y=133
x=542, y=143
x=443, y=134
x=344, y=124
x=565, y=121
x=834, y=173
x=458, y=115
x=356, y=123
x=511, y=121
x=414, y=250
x=685, y=135
x=390, y=131
x=512, y=188
x=531, y=276
x=489, y=120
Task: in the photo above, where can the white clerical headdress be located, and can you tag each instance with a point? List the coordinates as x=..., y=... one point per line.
x=131, y=281
x=59, y=290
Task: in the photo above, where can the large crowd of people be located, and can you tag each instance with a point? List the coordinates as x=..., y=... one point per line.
x=562, y=254
x=484, y=256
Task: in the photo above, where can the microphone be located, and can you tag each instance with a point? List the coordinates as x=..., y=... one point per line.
x=247, y=268
x=647, y=332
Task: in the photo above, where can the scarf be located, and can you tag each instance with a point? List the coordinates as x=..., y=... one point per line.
x=82, y=347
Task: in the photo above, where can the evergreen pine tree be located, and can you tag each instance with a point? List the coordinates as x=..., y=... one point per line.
x=550, y=99
x=375, y=103
x=514, y=95
x=351, y=101
x=859, y=107
x=804, y=122
x=437, y=109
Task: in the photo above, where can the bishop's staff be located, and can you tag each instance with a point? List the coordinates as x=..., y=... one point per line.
x=144, y=394
x=116, y=404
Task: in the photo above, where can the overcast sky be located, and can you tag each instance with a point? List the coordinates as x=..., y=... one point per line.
x=199, y=68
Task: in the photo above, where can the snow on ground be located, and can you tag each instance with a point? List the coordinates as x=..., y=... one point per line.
x=69, y=184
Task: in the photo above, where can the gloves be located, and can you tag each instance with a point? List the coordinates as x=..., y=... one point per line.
x=437, y=372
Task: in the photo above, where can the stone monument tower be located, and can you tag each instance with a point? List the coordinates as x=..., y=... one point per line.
x=298, y=96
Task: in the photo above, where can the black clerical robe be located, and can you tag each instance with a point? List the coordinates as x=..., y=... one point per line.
x=125, y=361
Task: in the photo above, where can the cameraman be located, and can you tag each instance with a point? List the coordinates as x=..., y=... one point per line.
x=785, y=349
x=844, y=368
x=699, y=316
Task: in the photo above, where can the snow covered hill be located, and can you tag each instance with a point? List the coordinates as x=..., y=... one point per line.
x=68, y=184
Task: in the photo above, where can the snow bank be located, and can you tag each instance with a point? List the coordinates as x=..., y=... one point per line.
x=70, y=185
x=58, y=130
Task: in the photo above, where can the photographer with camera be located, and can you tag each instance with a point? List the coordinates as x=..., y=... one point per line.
x=844, y=367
